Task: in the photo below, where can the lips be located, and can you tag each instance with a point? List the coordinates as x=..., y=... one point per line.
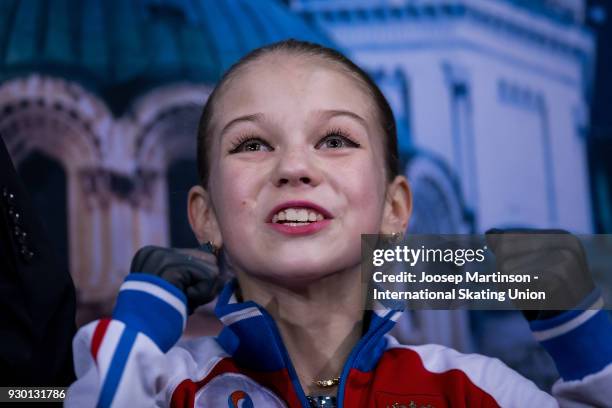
x=298, y=227
x=299, y=204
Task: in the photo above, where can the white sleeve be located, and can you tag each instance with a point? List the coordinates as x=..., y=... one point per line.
x=594, y=390
x=121, y=362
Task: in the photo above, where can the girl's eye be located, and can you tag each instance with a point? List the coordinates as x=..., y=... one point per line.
x=250, y=144
x=336, y=140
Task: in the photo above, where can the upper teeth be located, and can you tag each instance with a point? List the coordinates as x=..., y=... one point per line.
x=297, y=214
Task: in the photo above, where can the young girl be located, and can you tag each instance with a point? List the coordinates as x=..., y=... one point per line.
x=297, y=157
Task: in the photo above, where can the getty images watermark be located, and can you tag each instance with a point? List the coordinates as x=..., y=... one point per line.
x=527, y=271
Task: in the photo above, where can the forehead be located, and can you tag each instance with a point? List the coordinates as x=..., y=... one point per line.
x=280, y=82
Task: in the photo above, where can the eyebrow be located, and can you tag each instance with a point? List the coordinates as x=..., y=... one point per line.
x=324, y=113
x=254, y=117
x=327, y=114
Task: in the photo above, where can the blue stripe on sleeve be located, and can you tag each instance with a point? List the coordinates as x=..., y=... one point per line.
x=115, y=370
x=538, y=325
x=584, y=350
x=143, y=312
x=156, y=280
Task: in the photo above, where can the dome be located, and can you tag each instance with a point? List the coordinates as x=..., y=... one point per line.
x=119, y=49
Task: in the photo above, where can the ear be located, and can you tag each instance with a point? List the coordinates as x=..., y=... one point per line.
x=202, y=216
x=398, y=206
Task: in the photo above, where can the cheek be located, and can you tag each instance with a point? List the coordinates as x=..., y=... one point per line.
x=230, y=188
x=366, y=195
x=237, y=204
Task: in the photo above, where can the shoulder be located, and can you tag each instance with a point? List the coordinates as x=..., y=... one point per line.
x=211, y=377
x=192, y=360
x=438, y=359
x=436, y=364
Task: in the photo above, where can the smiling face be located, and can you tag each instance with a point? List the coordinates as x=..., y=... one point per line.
x=297, y=169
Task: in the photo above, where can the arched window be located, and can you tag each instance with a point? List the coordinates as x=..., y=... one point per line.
x=437, y=204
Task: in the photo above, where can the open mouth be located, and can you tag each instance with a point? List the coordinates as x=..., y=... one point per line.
x=299, y=216
x=295, y=217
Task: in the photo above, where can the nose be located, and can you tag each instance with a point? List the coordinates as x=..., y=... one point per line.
x=296, y=168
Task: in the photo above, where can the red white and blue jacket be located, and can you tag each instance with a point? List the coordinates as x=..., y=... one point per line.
x=132, y=360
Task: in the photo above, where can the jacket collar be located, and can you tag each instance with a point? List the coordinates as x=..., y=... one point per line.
x=252, y=338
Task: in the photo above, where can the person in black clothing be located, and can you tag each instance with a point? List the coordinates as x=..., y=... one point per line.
x=37, y=295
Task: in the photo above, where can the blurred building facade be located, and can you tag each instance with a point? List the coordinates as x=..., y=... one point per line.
x=99, y=105
x=496, y=91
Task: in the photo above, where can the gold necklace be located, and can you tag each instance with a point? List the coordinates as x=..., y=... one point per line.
x=332, y=382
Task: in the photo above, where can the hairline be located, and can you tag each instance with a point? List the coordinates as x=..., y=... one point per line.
x=219, y=91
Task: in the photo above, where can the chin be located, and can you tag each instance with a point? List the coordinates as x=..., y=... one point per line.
x=295, y=273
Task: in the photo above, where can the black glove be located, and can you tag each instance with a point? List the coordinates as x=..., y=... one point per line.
x=556, y=255
x=193, y=271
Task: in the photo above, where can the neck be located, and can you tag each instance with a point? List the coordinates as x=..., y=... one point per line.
x=319, y=323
